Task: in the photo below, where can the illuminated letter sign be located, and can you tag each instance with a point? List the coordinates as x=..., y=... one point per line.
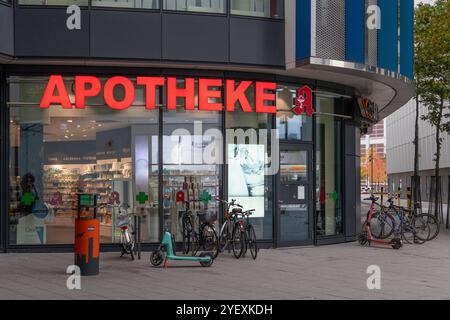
x=303, y=101
x=62, y=98
x=213, y=94
x=368, y=110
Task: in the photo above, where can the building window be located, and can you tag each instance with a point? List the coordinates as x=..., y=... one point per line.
x=139, y=4
x=329, y=213
x=258, y=8
x=192, y=158
x=66, y=3
x=291, y=127
x=249, y=164
x=208, y=6
x=56, y=153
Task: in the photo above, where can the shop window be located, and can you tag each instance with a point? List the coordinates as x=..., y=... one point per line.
x=250, y=167
x=291, y=127
x=208, y=6
x=65, y=3
x=329, y=148
x=138, y=4
x=192, y=158
x=258, y=8
x=56, y=153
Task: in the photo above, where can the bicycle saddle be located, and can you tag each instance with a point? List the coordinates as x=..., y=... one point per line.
x=237, y=210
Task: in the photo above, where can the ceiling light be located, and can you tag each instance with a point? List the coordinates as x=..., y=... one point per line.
x=69, y=121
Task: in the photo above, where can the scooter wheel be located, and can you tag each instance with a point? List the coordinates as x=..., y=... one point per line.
x=362, y=238
x=156, y=258
x=208, y=263
x=396, y=244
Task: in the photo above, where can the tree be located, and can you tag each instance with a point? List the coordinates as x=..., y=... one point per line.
x=432, y=61
x=379, y=170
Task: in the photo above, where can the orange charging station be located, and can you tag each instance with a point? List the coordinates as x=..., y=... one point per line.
x=87, y=235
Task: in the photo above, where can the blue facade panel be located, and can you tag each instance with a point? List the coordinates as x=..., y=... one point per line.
x=355, y=30
x=303, y=29
x=407, y=38
x=388, y=35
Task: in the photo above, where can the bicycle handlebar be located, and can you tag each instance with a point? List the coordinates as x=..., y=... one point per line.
x=231, y=203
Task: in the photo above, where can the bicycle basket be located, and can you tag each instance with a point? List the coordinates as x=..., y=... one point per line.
x=209, y=216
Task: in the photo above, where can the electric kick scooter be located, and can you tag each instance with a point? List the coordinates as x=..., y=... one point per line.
x=366, y=236
x=166, y=252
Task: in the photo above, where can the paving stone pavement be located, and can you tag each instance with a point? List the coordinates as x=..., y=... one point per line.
x=327, y=272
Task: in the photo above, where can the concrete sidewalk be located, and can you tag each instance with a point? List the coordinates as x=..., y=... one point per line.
x=328, y=272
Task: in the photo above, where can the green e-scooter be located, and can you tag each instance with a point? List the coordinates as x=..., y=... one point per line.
x=166, y=252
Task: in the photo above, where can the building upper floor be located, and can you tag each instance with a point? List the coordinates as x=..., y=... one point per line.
x=365, y=44
x=400, y=128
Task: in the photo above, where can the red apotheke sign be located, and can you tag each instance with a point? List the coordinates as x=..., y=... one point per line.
x=303, y=100
x=229, y=91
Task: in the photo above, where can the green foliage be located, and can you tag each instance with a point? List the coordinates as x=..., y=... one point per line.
x=432, y=61
x=432, y=65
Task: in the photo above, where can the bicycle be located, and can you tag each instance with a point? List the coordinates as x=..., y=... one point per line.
x=227, y=229
x=206, y=236
x=413, y=228
x=245, y=234
x=127, y=241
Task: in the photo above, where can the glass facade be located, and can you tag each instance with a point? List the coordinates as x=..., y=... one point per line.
x=329, y=167
x=83, y=3
x=137, y=4
x=56, y=154
x=291, y=127
x=249, y=157
x=146, y=158
x=258, y=8
x=208, y=6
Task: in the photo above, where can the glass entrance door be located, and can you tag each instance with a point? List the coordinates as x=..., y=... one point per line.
x=295, y=196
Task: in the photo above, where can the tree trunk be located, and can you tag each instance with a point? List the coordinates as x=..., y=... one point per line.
x=416, y=185
x=438, y=159
x=416, y=141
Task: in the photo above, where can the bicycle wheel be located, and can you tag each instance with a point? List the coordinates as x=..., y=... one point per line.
x=427, y=226
x=382, y=225
x=187, y=230
x=195, y=243
x=224, y=237
x=408, y=233
x=251, y=241
x=238, y=241
x=210, y=241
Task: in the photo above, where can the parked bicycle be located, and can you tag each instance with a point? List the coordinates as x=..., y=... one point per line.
x=127, y=239
x=413, y=227
x=244, y=236
x=228, y=226
x=205, y=238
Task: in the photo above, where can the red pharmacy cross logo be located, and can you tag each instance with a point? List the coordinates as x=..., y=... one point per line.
x=303, y=101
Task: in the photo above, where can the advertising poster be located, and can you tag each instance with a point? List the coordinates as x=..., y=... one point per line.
x=246, y=176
